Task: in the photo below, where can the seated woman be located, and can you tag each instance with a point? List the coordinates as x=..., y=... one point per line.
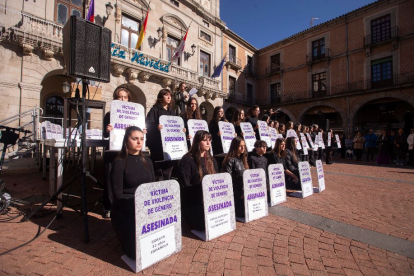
x=194, y=165
x=292, y=162
x=125, y=180
x=235, y=163
x=279, y=156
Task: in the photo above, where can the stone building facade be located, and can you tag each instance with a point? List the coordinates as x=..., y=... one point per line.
x=32, y=66
x=355, y=71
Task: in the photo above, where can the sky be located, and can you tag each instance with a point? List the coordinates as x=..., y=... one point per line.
x=264, y=22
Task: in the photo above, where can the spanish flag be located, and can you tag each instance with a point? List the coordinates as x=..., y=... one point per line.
x=142, y=33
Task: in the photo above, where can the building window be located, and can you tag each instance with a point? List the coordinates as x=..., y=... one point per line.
x=381, y=29
x=206, y=24
x=275, y=63
x=275, y=94
x=205, y=35
x=319, y=85
x=318, y=49
x=249, y=65
x=129, y=32
x=172, y=44
x=54, y=108
x=381, y=72
x=204, y=64
x=175, y=3
x=249, y=94
x=232, y=54
x=67, y=8
x=232, y=85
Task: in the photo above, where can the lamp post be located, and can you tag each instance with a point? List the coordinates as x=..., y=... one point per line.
x=109, y=9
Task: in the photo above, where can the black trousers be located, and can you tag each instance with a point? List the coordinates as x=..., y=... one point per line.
x=123, y=222
x=312, y=157
x=108, y=198
x=328, y=153
x=358, y=154
x=370, y=153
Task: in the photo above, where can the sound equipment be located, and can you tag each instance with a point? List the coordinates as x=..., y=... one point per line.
x=87, y=50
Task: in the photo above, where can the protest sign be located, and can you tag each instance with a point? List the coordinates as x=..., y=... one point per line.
x=277, y=184
x=321, y=177
x=123, y=115
x=48, y=130
x=329, y=139
x=227, y=135
x=273, y=137
x=255, y=194
x=218, y=201
x=248, y=135
x=157, y=223
x=264, y=132
x=174, y=143
x=291, y=133
x=314, y=146
x=194, y=126
x=338, y=141
x=305, y=179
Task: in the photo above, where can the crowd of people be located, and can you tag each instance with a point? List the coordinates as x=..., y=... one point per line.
x=122, y=171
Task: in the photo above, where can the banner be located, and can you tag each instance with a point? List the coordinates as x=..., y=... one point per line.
x=305, y=179
x=255, y=194
x=218, y=201
x=157, y=223
x=277, y=184
x=321, y=177
x=194, y=126
x=227, y=135
x=264, y=132
x=273, y=137
x=329, y=139
x=123, y=115
x=338, y=141
x=248, y=135
x=174, y=142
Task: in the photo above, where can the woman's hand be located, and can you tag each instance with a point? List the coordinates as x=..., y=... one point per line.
x=189, y=137
x=144, y=130
x=109, y=128
x=219, y=133
x=184, y=130
x=159, y=127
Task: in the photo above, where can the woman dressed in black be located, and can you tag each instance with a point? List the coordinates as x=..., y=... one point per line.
x=125, y=180
x=163, y=106
x=235, y=163
x=238, y=117
x=292, y=164
x=192, y=112
x=218, y=115
x=194, y=165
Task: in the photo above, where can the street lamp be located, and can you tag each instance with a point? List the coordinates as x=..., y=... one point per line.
x=65, y=87
x=109, y=9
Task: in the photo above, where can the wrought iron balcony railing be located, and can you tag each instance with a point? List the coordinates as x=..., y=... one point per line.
x=234, y=62
x=311, y=58
x=277, y=68
x=384, y=36
x=250, y=69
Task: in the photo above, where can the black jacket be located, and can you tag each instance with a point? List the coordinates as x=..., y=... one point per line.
x=154, y=142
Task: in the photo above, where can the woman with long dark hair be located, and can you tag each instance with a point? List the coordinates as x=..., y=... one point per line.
x=125, y=180
x=163, y=106
x=192, y=112
x=238, y=117
x=253, y=118
x=292, y=164
x=194, y=165
x=235, y=163
x=279, y=156
x=282, y=130
x=218, y=115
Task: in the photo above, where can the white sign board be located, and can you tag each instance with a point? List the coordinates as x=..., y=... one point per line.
x=248, y=135
x=305, y=179
x=218, y=201
x=273, y=137
x=338, y=141
x=277, y=184
x=321, y=177
x=194, y=126
x=174, y=143
x=291, y=133
x=264, y=132
x=123, y=115
x=255, y=194
x=227, y=135
x=314, y=147
x=329, y=139
x=157, y=223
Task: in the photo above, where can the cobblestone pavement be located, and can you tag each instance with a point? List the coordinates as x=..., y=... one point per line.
x=269, y=246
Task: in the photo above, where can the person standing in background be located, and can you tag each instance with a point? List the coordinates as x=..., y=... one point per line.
x=370, y=144
x=383, y=148
x=181, y=99
x=253, y=118
x=410, y=141
x=401, y=147
x=358, y=145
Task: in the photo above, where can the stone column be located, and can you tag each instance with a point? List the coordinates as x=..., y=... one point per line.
x=30, y=98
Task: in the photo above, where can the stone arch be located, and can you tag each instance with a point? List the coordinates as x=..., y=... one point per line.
x=230, y=113
x=396, y=95
x=209, y=111
x=288, y=113
x=173, y=21
x=319, y=117
x=320, y=103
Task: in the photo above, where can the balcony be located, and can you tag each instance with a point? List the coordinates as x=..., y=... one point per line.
x=234, y=63
x=339, y=90
x=275, y=69
x=311, y=59
x=385, y=36
x=249, y=69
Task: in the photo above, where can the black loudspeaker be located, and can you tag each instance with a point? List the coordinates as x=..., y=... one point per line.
x=87, y=50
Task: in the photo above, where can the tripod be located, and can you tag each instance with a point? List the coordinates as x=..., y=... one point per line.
x=84, y=173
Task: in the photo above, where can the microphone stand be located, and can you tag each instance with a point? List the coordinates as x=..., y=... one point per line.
x=84, y=158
